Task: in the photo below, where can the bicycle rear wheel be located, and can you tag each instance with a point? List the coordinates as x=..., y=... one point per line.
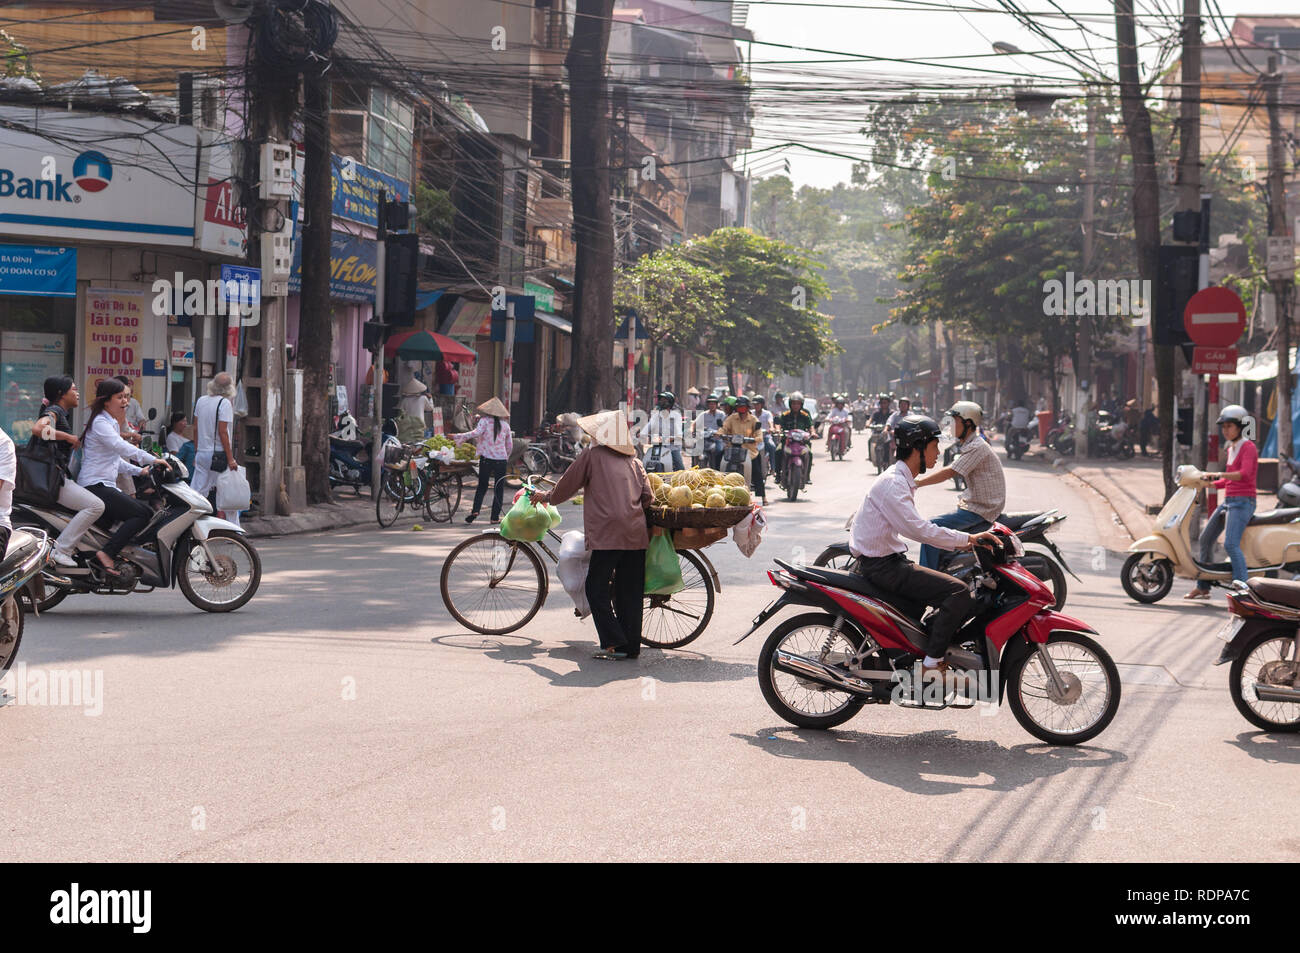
x=669, y=622
x=493, y=585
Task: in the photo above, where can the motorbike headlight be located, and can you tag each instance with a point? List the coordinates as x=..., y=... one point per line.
x=1015, y=546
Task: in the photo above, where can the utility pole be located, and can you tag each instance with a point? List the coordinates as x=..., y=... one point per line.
x=315, y=321
x=1278, y=226
x=1084, y=371
x=1146, y=209
x=1188, y=184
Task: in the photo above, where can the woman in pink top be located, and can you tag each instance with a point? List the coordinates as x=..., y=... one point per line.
x=494, y=442
x=1238, y=506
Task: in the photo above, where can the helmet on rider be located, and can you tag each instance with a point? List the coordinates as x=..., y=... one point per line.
x=742, y=401
x=758, y=399
x=967, y=410
x=901, y=402
x=839, y=400
x=667, y=397
x=1239, y=415
x=914, y=432
x=796, y=397
x=711, y=399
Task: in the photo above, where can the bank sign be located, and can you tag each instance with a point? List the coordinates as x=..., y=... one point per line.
x=131, y=186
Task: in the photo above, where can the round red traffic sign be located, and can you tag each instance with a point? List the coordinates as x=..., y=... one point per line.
x=1214, y=317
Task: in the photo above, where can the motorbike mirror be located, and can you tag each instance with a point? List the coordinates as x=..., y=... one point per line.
x=153, y=413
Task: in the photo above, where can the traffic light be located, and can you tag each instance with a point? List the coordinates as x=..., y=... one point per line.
x=401, y=271
x=1185, y=415
x=1175, y=285
x=372, y=335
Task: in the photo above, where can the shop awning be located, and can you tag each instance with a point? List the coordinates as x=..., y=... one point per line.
x=554, y=320
x=425, y=298
x=428, y=346
x=1256, y=367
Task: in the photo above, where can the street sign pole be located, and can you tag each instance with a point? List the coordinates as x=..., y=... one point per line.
x=1214, y=319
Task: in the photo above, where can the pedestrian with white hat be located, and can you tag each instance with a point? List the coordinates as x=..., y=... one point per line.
x=415, y=399
x=616, y=492
x=494, y=441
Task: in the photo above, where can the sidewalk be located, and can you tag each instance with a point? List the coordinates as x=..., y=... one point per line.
x=1128, y=486
x=347, y=510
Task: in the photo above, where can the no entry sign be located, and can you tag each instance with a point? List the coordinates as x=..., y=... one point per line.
x=1214, y=317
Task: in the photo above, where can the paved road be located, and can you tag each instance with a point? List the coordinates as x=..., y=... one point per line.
x=342, y=716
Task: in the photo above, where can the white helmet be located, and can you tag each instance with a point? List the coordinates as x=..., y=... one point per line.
x=1239, y=415
x=968, y=410
x=797, y=395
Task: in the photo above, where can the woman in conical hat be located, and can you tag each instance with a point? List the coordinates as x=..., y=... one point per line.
x=615, y=492
x=494, y=440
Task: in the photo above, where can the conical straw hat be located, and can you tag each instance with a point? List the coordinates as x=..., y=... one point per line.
x=609, y=429
x=493, y=408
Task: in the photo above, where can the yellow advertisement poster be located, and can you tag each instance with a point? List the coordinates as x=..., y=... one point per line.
x=116, y=323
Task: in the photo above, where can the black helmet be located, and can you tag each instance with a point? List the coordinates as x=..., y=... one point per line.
x=711, y=398
x=668, y=396
x=914, y=432
x=742, y=401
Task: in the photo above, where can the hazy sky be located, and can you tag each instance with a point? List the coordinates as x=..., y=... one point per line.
x=905, y=29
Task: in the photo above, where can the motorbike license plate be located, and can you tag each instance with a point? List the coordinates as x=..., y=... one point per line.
x=1228, y=631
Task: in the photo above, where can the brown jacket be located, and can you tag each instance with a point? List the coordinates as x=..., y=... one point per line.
x=615, y=492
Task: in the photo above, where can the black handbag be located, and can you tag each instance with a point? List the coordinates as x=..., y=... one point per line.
x=218, y=462
x=40, y=472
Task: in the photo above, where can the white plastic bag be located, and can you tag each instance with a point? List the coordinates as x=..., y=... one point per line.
x=233, y=492
x=749, y=531
x=572, y=569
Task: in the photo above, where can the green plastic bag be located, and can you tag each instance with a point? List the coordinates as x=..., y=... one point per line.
x=663, y=571
x=554, y=514
x=525, y=521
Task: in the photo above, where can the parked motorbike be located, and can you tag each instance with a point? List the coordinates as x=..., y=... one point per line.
x=863, y=646
x=837, y=439
x=1041, y=557
x=878, y=448
x=552, y=450
x=1061, y=437
x=796, y=462
x=1263, y=636
x=1104, y=442
x=1017, y=442
x=27, y=556
x=350, y=463
x=1271, y=543
x=211, y=559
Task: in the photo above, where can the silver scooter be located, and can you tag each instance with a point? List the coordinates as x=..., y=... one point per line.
x=27, y=555
x=211, y=559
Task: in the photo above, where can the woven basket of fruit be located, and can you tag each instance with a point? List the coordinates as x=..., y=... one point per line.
x=697, y=499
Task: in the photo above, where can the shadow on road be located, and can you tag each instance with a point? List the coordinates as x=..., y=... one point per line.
x=932, y=762
x=1273, y=747
x=662, y=666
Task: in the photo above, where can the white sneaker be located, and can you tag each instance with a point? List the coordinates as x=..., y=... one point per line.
x=63, y=559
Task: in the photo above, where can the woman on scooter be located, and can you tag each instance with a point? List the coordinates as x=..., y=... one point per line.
x=104, y=456
x=55, y=424
x=1238, y=484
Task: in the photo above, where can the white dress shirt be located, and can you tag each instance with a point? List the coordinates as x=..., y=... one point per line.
x=888, y=515
x=103, y=451
x=666, y=424
x=8, y=477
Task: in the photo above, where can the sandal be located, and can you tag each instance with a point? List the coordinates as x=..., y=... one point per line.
x=1197, y=593
x=110, y=570
x=613, y=655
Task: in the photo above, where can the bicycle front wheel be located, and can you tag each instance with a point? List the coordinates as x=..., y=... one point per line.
x=443, y=498
x=493, y=585
x=396, y=492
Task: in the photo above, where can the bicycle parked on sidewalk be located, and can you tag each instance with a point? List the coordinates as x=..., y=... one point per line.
x=495, y=586
x=412, y=480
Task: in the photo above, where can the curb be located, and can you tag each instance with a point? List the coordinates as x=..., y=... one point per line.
x=316, y=518
x=1130, y=512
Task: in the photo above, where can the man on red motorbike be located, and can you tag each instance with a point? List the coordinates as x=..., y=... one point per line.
x=888, y=515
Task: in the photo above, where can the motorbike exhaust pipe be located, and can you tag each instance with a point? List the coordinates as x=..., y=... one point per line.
x=1276, y=693
x=823, y=674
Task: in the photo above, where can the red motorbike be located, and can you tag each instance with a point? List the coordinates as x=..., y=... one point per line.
x=1263, y=636
x=837, y=441
x=863, y=647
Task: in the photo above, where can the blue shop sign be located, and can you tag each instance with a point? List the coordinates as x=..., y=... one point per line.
x=355, y=189
x=354, y=268
x=38, y=270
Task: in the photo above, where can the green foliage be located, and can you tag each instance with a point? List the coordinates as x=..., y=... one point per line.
x=679, y=302
x=434, y=211
x=17, y=60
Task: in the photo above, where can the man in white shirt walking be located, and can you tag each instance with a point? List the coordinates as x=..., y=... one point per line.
x=888, y=515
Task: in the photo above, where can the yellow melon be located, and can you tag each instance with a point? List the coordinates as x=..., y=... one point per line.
x=680, y=496
x=734, y=479
x=656, y=481
x=737, y=496
x=716, y=499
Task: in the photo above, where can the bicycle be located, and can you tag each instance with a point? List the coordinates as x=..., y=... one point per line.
x=495, y=586
x=402, y=484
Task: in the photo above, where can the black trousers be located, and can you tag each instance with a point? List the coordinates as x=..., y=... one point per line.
x=615, y=592
x=118, y=506
x=955, y=603
x=490, y=472
x=757, y=480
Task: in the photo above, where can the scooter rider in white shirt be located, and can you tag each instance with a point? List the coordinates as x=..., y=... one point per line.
x=888, y=515
x=666, y=422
